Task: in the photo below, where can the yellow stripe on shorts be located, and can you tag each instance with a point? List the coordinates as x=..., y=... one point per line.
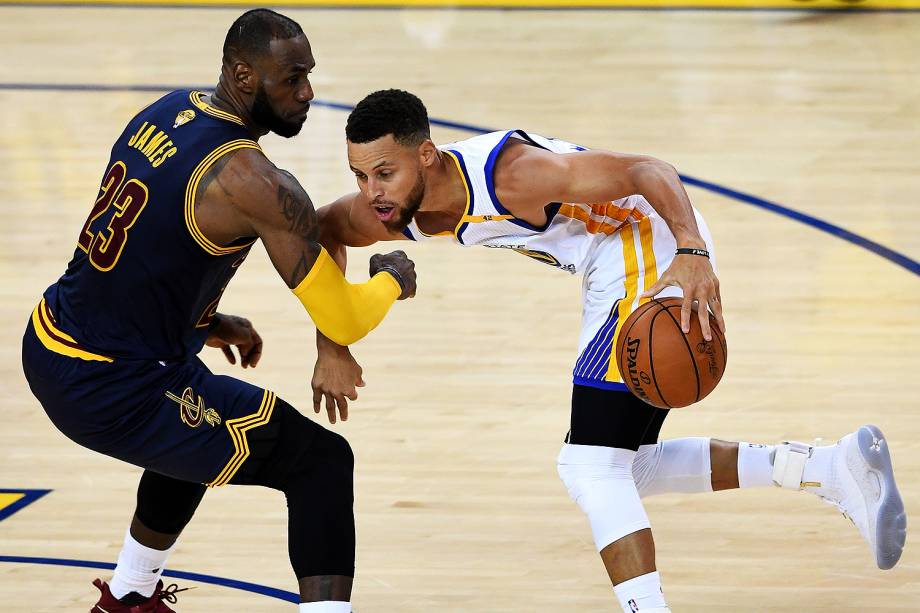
x=237, y=428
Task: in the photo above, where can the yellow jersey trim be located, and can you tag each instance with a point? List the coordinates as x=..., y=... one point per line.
x=237, y=428
x=469, y=200
x=631, y=261
x=57, y=340
x=197, y=99
x=192, y=188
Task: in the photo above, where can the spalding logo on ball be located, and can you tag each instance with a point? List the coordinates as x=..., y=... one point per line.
x=663, y=366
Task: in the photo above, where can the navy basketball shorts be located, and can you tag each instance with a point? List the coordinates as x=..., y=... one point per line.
x=175, y=418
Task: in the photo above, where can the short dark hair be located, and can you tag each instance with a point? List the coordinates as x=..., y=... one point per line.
x=389, y=111
x=253, y=31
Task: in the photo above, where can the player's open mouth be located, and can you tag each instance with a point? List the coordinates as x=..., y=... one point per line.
x=384, y=212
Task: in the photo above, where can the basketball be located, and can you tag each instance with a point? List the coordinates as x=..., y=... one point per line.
x=663, y=366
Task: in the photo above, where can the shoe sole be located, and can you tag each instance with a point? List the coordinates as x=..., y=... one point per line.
x=890, y=516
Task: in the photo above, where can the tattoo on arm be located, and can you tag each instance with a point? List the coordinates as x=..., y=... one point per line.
x=297, y=208
x=300, y=271
x=299, y=213
x=214, y=174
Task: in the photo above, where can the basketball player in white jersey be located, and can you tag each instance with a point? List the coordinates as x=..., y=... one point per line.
x=640, y=238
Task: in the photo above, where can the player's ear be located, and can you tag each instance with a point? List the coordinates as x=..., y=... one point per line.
x=427, y=152
x=243, y=76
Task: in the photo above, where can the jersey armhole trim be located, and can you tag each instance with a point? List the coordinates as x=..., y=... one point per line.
x=489, y=172
x=199, y=172
x=468, y=186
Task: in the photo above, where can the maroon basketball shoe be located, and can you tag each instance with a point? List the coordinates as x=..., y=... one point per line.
x=155, y=604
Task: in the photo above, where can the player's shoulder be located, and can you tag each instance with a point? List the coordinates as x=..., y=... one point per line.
x=519, y=160
x=246, y=176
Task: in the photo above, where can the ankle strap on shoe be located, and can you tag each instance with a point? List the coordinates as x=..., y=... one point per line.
x=789, y=464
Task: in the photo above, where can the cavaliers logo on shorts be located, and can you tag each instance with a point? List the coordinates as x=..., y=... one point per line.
x=192, y=410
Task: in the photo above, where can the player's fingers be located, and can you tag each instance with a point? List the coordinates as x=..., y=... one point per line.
x=351, y=394
x=662, y=283
x=360, y=382
x=703, y=313
x=244, y=354
x=255, y=355
x=685, y=310
x=317, y=398
x=229, y=353
x=343, y=406
x=717, y=310
x=330, y=407
x=650, y=292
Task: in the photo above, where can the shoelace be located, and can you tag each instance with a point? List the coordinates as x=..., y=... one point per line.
x=169, y=593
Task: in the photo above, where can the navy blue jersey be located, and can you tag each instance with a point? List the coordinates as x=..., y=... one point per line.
x=144, y=282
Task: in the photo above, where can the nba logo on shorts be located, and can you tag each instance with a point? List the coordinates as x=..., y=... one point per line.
x=633, y=606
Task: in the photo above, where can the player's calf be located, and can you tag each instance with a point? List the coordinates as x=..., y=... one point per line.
x=313, y=467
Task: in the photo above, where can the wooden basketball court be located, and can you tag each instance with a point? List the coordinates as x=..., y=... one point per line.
x=459, y=508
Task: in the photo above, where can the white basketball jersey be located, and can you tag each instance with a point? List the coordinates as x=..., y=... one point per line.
x=572, y=231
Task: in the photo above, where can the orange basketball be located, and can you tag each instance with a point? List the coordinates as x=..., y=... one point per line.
x=663, y=366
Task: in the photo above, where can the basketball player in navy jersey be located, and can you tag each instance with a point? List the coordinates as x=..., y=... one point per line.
x=639, y=238
x=110, y=351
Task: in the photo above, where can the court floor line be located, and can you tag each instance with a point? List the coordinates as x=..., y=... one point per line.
x=28, y=497
x=895, y=257
x=245, y=586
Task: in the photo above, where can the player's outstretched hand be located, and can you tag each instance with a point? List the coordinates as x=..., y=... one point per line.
x=335, y=378
x=695, y=276
x=231, y=330
x=400, y=266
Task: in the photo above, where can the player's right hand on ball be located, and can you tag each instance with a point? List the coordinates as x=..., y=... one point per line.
x=400, y=266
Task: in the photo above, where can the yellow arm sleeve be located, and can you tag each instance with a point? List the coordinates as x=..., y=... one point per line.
x=342, y=311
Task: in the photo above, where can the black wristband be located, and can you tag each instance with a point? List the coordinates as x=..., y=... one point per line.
x=692, y=251
x=392, y=270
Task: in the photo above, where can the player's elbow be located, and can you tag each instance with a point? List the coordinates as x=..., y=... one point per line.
x=648, y=167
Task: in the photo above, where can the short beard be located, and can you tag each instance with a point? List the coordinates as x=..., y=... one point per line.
x=413, y=203
x=264, y=115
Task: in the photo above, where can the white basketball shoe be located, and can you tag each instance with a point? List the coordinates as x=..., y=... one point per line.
x=860, y=482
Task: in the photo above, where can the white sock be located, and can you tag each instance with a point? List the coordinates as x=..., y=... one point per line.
x=138, y=569
x=755, y=465
x=640, y=593
x=325, y=606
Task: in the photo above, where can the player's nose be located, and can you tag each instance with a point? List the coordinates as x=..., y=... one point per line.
x=374, y=188
x=305, y=93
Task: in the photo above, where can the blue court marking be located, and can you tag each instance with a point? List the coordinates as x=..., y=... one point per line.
x=30, y=497
x=245, y=586
x=891, y=255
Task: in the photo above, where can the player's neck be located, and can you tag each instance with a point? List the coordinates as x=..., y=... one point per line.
x=225, y=99
x=445, y=190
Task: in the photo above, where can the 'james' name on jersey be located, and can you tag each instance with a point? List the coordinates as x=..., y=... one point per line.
x=140, y=241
